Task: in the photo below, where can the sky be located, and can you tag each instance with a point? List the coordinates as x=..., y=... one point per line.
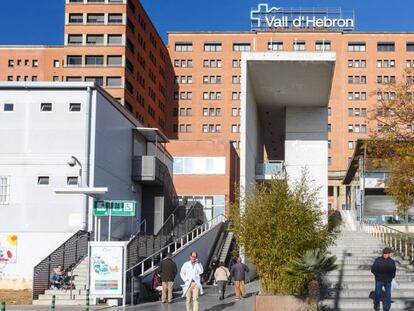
x=41, y=21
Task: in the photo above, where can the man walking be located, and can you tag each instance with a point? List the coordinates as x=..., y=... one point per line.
x=238, y=275
x=384, y=270
x=168, y=270
x=190, y=273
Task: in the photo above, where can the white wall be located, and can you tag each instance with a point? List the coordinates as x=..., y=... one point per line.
x=250, y=133
x=306, y=147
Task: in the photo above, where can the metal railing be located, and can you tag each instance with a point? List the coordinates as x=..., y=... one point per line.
x=149, y=263
x=69, y=254
x=401, y=242
x=142, y=245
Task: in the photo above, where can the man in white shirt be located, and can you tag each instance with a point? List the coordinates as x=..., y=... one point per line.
x=190, y=273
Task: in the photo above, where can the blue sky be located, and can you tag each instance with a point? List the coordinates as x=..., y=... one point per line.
x=41, y=21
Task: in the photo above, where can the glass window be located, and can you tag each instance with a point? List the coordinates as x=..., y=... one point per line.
x=75, y=39
x=114, y=60
x=4, y=190
x=113, y=81
x=45, y=107
x=97, y=80
x=212, y=47
x=410, y=47
x=115, y=39
x=356, y=47
x=184, y=47
x=72, y=181
x=76, y=18
x=385, y=46
x=8, y=107
x=75, y=107
x=299, y=46
x=95, y=39
x=94, y=60
x=115, y=18
x=96, y=18
x=274, y=46
x=74, y=60
x=241, y=47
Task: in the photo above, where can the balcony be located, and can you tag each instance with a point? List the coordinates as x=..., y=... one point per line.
x=268, y=169
x=149, y=170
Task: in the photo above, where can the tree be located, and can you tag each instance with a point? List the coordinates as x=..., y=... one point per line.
x=279, y=222
x=392, y=139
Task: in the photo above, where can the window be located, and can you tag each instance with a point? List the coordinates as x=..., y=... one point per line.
x=329, y=144
x=96, y=18
x=350, y=128
x=350, y=144
x=72, y=181
x=10, y=63
x=74, y=107
x=236, y=63
x=9, y=78
x=356, y=47
x=114, y=39
x=235, y=79
x=410, y=47
x=199, y=165
x=385, y=63
x=235, y=112
x=275, y=46
x=8, y=107
x=235, y=95
x=75, y=39
x=115, y=18
x=94, y=60
x=235, y=128
x=56, y=63
x=74, y=60
x=385, y=46
x=94, y=39
x=45, y=107
x=113, y=81
x=76, y=18
x=34, y=78
x=35, y=63
x=114, y=60
x=329, y=127
x=184, y=47
x=329, y=161
x=4, y=190
x=97, y=80
x=212, y=47
x=43, y=180
x=299, y=46
x=323, y=46
x=241, y=47
x=73, y=79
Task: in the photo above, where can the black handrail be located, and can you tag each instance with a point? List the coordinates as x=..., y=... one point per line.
x=69, y=254
x=141, y=245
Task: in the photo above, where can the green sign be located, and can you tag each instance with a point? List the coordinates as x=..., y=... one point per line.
x=114, y=208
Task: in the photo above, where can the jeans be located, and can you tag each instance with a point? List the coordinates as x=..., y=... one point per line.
x=378, y=292
x=221, y=288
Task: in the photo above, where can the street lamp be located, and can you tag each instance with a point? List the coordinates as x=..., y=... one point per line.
x=72, y=162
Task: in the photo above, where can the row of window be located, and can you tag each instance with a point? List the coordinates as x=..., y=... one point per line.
x=297, y=46
x=206, y=79
x=206, y=128
x=20, y=62
x=94, y=60
x=207, y=112
x=22, y=78
x=351, y=144
x=206, y=95
x=95, y=39
x=73, y=107
x=93, y=18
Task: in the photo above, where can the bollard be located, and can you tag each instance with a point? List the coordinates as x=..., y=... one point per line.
x=3, y=306
x=87, y=300
x=53, y=303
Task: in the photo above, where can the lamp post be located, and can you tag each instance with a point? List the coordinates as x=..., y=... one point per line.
x=72, y=162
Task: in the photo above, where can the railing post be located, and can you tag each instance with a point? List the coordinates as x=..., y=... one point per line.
x=53, y=303
x=87, y=300
x=406, y=247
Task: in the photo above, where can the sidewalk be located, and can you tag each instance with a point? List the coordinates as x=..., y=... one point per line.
x=208, y=302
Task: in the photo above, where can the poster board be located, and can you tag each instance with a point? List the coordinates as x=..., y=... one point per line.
x=8, y=248
x=106, y=271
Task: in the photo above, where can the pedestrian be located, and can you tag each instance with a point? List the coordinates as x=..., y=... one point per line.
x=221, y=275
x=168, y=270
x=190, y=273
x=238, y=275
x=384, y=270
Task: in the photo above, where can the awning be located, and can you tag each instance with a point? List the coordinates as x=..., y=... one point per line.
x=152, y=134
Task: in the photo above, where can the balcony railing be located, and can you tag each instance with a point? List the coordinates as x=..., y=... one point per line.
x=149, y=169
x=268, y=169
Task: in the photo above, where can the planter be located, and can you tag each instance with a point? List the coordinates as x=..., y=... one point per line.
x=280, y=303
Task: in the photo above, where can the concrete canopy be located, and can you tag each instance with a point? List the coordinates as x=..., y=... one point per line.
x=291, y=78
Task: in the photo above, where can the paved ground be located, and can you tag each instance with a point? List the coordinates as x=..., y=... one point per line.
x=208, y=302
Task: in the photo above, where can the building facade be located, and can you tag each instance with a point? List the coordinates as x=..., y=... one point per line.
x=42, y=125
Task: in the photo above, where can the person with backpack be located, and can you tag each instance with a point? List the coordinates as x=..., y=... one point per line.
x=221, y=275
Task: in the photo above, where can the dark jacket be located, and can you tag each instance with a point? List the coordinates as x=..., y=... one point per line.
x=383, y=269
x=168, y=270
x=238, y=271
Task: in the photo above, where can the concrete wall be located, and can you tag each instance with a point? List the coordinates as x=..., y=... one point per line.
x=306, y=147
x=251, y=148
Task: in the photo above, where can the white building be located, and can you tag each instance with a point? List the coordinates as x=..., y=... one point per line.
x=41, y=126
x=284, y=117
